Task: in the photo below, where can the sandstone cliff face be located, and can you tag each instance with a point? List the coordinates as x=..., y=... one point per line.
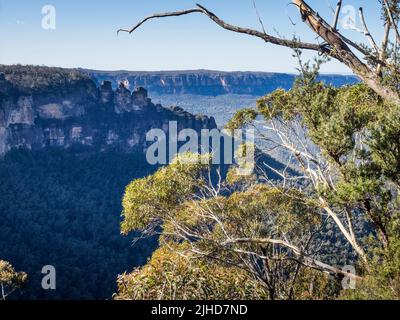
x=42, y=107
x=210, y=83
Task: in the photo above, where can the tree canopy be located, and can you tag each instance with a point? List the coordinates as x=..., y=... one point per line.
x=343, y=147
x=10, y=280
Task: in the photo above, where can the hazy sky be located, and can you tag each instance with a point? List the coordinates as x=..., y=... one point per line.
x=85, y=34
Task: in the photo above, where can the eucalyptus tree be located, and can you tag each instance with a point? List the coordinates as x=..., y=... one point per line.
x=343, y=168
x=10, y=280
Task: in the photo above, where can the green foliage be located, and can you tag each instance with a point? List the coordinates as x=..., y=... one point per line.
x=382, y=282
x=10, y=280
x=152, y=198
x=314, y=285
x=332, y=115
x=276, y=230
x=382, y=279
x=173, y=200
x=390, y=76
x=170, y=193
x=385, y=143
x=241, y=118
x=357, y=133
x=170, y=276
x=33, y=79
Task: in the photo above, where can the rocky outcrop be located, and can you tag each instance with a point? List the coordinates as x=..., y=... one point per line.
x=42, y=107
x=210, y=83
x=106, y=93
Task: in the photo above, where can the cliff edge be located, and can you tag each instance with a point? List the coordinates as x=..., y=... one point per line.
x=42, y=106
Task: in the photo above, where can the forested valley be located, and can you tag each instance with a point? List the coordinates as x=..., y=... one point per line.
x=62, y=208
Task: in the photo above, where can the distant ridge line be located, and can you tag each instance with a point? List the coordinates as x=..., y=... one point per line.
x=207, y=71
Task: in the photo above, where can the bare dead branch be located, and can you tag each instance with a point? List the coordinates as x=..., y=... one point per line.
x=303, y=259
x=342, y=52
x=337, y=46
x=337, y=14
x=263, y=35
x=382, y=52
x=367, y=33
x=160, y=15
x=259, y=16
x=347, y=234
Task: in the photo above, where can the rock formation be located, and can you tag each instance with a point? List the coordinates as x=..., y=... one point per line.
x=42, y=107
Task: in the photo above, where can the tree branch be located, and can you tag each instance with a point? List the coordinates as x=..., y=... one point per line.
x=259, y=16
x=304, y=259
x=367, y=33
x=337, y=13
x=342, y=52
x=391, y=19
x=336, y=44
x=264, y=36
x=382, y=52
x=160, y=15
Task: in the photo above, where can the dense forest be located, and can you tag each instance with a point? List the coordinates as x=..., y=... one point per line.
x=62, y=208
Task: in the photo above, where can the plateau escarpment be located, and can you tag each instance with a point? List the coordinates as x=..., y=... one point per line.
x=55, y=107
x=211, y=83
x=214, y=93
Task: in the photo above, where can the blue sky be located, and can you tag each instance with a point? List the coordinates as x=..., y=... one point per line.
x=85, y=34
